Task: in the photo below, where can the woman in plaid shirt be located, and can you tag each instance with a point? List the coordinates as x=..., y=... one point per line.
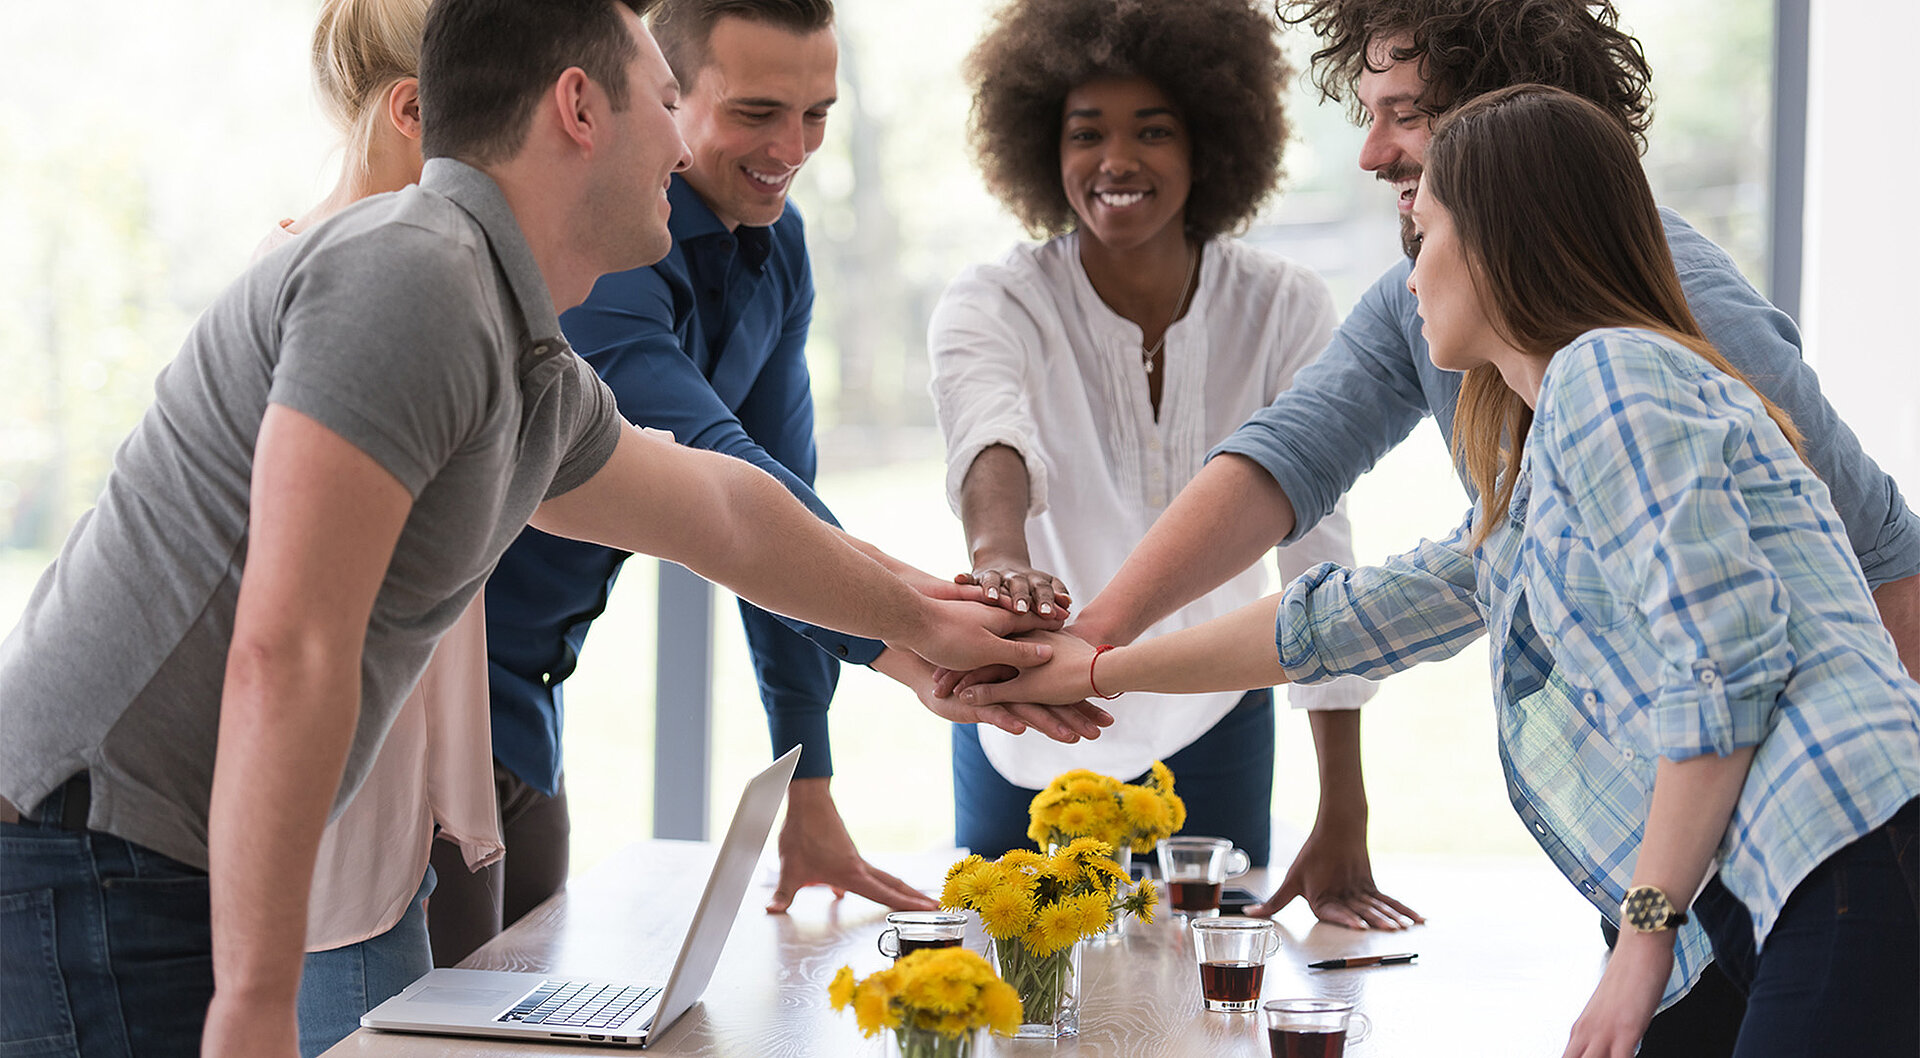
x=1737, y=778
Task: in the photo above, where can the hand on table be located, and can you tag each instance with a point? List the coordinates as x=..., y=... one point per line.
x=1623, y=1004
x=1333, y=872
x=1020, y=588
x=815, y=849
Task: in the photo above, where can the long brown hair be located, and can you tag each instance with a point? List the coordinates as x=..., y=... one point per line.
x=1561, y=237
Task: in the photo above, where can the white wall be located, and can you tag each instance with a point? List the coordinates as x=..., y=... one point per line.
x=1860, y=294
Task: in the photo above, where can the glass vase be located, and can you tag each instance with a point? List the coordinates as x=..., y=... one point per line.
x=1048, y=985
x=910, y=1042
x=1122, y=855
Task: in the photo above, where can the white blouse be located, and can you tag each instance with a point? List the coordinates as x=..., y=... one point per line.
x=1025, y=354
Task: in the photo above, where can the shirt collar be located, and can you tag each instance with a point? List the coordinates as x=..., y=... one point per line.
x=693, y=220
x=477, y=194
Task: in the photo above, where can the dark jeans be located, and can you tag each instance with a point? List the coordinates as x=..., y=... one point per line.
x=1225, y=777
x=107, y=947
x=470, y=908
x=1840, y=973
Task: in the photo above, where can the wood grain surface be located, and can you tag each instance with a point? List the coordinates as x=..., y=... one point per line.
x=1508, y=957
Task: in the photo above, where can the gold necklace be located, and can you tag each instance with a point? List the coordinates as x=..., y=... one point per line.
x=1148, y=352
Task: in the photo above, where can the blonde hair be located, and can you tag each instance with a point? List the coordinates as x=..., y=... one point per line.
x=360, y=49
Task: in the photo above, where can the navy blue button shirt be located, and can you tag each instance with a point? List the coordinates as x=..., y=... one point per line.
x=709, y=343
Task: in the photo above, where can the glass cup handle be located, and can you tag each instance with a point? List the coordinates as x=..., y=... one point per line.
x=890, y=931
x=1366, y=1026
x=1273, y=942
x=1239, y=857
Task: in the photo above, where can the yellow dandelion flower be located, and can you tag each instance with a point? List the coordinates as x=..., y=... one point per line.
x=1145, y=808
x=840, y=992
x=1000, y=1008
x=965, y=888
x=1095, y=911
x=873, y=1011
x=1040, y=832
x=1006, y=912
x=1160, y=777
x=1087, y=848
x=1023, y=862
x=1178, y=808
x=1067, y=868
x=1055, y=926
x=1073, y=817
x=1142, y=901
x=965, y=864
x=1089, y=787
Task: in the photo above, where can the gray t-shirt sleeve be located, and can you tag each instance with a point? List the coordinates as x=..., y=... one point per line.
x=594, y=422
x=411, y=371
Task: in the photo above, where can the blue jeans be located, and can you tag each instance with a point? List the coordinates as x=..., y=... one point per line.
x=108, y=950
x=1225, y=777
x=340, y=984
x=1840, y=974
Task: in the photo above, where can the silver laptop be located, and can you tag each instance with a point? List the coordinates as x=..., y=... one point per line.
x=552, y=1007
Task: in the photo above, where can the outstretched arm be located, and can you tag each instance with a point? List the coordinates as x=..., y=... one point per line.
x=736, y=526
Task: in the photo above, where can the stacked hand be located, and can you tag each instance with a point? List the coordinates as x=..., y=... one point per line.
x=1021, y=589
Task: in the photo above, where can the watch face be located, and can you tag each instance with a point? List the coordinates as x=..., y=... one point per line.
x=1647, y=909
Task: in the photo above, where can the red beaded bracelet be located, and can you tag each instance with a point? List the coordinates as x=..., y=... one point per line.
x=1097, y=651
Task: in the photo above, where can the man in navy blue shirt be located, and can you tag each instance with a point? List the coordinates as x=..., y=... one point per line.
x=709, y=344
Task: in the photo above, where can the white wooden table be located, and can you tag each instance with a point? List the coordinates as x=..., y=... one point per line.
x=1508, y=957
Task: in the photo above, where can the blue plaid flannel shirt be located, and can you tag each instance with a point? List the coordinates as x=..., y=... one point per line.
x=1669, y=580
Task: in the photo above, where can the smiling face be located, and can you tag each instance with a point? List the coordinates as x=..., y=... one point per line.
x=1453, y=316
x=1395, y=149
x=757, y=109
x=641, y=158
x=1125, y=162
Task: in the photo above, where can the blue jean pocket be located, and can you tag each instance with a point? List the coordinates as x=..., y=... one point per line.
x=35, y=1018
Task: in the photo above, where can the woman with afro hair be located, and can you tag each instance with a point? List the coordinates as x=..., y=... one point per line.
x=1080, y=381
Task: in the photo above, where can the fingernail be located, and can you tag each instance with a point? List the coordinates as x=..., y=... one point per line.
x=993, y=593
x=1046, y=608
x=1020, y=607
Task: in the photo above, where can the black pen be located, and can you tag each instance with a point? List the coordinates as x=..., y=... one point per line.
x=1356, y=961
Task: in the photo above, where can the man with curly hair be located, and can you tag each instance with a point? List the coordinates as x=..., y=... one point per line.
x=1401, y=63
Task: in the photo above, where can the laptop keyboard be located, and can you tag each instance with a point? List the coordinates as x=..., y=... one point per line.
x=577, y=1005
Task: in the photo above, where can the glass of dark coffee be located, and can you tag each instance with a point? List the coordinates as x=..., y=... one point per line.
x=1313, y=1028
x=910, y=931
x=1233, y=954
x=1194, y=869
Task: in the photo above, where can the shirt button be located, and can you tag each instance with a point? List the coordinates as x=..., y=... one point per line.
x=1707, y=677
x=1590, y=699
x=1586, y=887
x=540, y=349
x=1540, y=828
x=841, y=650
x=1627, y=753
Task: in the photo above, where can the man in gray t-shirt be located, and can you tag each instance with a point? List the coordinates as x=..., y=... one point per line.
x=348, y=440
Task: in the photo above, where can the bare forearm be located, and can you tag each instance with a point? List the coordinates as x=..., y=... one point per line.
x=285, y=726
x=1899, y=603
x=1229, y=515
x=993, y=508
x=1234, y=652
x=1692, y=803
x=1336, y=747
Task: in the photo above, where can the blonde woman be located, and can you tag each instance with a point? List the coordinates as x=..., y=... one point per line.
x=366, y=921
x=1646, y=529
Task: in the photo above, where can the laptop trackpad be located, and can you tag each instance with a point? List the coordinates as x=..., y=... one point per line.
x=466, y=997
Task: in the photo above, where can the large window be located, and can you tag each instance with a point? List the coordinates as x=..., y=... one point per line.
x=145, y=149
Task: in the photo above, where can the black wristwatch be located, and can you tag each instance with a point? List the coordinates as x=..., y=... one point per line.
x=1647, y=910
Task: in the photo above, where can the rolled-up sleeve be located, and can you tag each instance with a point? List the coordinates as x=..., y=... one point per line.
x=1342, y=412
x=1640, y=459
x=981, y=342
x=1377, y=620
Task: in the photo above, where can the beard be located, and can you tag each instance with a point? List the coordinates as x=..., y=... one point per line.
x=1393, y=174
